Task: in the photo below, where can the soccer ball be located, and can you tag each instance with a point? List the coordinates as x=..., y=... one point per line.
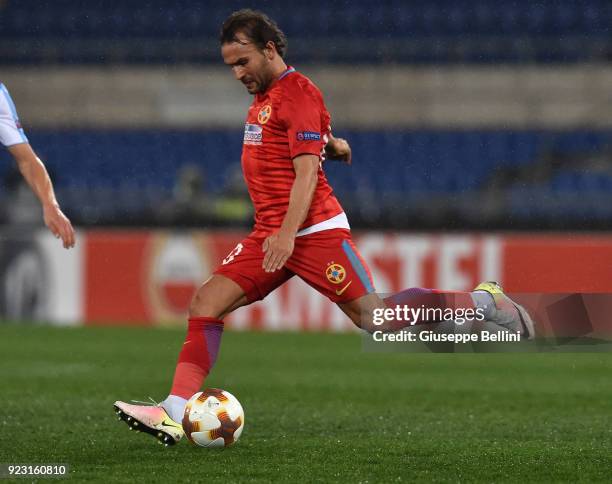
x=213, y=418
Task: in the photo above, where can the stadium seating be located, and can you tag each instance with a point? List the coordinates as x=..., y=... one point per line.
x=336, y=30
x=105, y=172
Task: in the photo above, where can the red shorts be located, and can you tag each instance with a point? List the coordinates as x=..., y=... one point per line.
x=328, y=261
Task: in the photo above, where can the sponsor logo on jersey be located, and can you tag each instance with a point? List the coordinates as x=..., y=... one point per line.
x=335, y=273
x=253, y=134
x=264, y=114
x=308, y=136
x=18, y=124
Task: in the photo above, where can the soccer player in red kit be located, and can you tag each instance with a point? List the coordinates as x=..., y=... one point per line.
x=300, y=227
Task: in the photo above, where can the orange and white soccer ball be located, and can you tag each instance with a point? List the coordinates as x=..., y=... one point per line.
x=213, y=418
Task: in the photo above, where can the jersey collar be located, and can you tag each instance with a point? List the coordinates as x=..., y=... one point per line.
x=289, y=70
x=283, y=75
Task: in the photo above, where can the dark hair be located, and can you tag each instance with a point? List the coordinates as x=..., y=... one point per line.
x=257, y=26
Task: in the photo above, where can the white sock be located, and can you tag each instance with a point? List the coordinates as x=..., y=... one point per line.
x=175, y=407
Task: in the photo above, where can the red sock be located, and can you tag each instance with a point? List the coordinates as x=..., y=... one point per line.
x=417, y=297
x=197, y=356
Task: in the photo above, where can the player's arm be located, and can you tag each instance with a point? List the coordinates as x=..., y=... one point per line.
x=338, y=149
x=35, y=173
x=279, y=246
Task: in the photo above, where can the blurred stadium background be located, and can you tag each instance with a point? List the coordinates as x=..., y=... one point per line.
x=482, y=145
x=481, y=134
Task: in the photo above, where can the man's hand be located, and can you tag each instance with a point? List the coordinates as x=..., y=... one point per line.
x=278, y=248
x=338, y=149
x=59, y=225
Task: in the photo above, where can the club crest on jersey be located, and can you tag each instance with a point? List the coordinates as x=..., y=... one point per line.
x=308, y=136
x=253, y=134
x=335, y=273
x=264, y=114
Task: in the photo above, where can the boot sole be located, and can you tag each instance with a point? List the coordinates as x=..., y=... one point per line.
x=162, y=437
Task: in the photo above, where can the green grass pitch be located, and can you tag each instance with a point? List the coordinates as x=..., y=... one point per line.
x=318, y=409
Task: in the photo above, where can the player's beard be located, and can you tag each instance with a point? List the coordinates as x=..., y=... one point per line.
x=260, y=85
x=253, y=86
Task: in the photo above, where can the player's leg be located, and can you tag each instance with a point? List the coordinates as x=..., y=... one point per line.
x=488, y=298
x=239, y=280
x=366, y=312
x=213, y=300
x=505, y=314
x=487, y=302
x=330, y=262
x=361, y=312
x=218, y=296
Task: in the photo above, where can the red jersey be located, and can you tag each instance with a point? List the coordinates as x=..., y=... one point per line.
x=288, y=120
